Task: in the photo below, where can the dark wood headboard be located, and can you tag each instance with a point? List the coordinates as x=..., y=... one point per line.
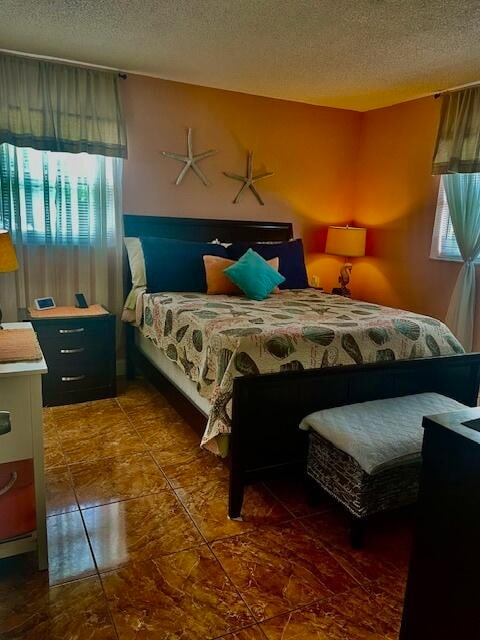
x=204, y=229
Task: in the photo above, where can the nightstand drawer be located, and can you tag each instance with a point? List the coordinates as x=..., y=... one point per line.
x=72, y=335
x=67, y=356
x=75, y=378
x=16, y=441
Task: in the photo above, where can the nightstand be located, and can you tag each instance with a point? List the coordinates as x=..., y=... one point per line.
x=80, y=354
x=22, y=492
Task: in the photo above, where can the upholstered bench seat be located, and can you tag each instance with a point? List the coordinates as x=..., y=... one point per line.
x=368, y=455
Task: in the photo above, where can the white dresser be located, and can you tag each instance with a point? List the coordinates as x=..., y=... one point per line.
x=22, y=485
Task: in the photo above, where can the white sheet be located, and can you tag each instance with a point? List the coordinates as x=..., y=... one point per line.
x=172, y=372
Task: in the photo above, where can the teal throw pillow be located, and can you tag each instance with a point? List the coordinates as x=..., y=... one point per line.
x=255, y=277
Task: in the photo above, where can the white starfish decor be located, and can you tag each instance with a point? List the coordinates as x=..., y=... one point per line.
x=190, y=160
x=249, y=179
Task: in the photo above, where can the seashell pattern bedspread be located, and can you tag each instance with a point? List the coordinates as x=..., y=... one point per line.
x=213, y=339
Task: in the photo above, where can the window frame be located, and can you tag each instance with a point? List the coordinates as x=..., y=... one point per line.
x=97, y=182
x=441, y=224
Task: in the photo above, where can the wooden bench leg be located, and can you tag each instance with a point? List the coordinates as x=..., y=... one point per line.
x=357, y=533
x=235, y=496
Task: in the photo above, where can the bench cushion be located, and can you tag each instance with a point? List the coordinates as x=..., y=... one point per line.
x=380, y=433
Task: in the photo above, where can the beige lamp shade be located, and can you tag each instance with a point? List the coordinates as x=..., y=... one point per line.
x=8, y=258
x=346, y=241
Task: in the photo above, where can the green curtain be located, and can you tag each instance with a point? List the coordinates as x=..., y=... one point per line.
x=457, y=148
x=60, y=107
x=463, y=197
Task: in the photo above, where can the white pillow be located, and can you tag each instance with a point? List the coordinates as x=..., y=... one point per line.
x=136, y=261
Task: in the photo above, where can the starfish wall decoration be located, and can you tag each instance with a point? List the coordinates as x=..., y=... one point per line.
x=249, y=179
x=190, y=160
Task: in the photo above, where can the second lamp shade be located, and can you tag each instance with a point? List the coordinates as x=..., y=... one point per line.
x=346, y=241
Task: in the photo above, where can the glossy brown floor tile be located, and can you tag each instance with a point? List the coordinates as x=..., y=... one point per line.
x=105, y=418
x=169, y=434
x=113, y=479
x=86, y=447
x=69, y=555
x=164, y=414
x=138, y=529
x=134, y=394
x=291, y=563
x=180, y=596
x=251, y=633
x=53, y=454
x=155, y=407
x=30, y=610
x=391, y=585
x=369, y=563
x=290, y=491
x=355, y=615
x=50, y=431
x=192, y=468
x=280, y=568
x=207, y=504
x=59, y=492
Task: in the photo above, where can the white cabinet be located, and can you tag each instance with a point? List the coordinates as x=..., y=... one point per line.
x=21, y=456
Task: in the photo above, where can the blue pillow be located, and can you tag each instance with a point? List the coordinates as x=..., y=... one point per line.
x=255, y=277
x=291, y=259
x=177, y=265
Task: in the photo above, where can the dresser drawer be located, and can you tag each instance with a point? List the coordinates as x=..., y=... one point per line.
x=16, y=444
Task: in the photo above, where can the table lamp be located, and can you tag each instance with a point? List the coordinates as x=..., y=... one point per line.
x=350, y=243
x=8, y=258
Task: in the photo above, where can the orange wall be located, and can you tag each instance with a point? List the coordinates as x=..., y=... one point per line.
x=331, y=166
x=396, y=199
x=311, y=150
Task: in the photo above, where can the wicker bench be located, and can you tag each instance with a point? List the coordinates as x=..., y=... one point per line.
x=368, y=455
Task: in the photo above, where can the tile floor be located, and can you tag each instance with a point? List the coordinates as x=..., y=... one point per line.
x=140, y=545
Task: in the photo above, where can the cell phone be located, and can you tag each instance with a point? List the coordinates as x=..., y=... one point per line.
x=81, y=301
x=44, y=303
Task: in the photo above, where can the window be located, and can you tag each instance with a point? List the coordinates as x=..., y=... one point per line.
x=444, y=243
x=56, y=198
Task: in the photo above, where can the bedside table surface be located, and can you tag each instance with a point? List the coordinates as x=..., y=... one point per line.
x=22, y=368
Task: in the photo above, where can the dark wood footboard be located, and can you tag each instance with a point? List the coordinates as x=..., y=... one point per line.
x=267, y=409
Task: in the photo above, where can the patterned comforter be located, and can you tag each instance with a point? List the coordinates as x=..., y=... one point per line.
x=213, y=339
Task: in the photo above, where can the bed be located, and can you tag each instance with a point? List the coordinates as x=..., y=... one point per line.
x=246, y=372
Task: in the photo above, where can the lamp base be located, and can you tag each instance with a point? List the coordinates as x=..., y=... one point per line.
x=342, y=291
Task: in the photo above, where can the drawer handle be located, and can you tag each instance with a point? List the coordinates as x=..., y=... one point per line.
x=79, y=330
x=79, y=350
x=5, y=423
x=10, y=483
x=72, y=378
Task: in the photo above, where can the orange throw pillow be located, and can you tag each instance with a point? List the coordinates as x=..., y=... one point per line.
x=217, y=281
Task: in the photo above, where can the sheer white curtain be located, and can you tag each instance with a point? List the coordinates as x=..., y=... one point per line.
x=65, y=215
x=463, y=197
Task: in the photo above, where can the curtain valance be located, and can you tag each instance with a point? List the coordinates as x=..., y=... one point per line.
x=59, y=107
x=458, y=140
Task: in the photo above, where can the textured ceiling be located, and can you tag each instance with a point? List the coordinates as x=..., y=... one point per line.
x=356, y=54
